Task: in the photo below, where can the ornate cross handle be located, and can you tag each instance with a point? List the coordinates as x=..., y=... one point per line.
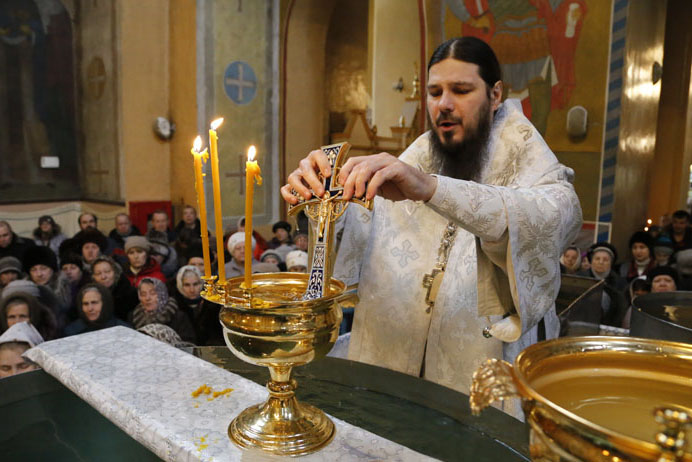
x=324, y=211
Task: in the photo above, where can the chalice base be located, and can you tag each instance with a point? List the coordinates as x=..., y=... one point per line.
x=283, y=427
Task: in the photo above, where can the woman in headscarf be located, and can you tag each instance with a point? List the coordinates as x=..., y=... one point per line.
x=20, y=307
x=109, y=274
x=602, y=256
x=203, y=314
x=155, y=306
x=95, y=308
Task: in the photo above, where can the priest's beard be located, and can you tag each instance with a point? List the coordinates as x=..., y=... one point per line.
x=463, y=160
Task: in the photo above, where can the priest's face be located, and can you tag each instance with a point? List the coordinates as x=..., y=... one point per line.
x=460, y=112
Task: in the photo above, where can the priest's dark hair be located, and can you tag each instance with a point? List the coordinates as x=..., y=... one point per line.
x=471, y=50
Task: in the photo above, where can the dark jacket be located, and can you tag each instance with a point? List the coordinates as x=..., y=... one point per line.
x=17, y=247
x=125, y=298
x=204, y=317
x=105, y=319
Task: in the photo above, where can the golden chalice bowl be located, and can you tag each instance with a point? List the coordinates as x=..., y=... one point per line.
x=274, y=327
x=598, y=399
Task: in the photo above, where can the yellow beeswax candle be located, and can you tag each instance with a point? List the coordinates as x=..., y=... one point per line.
x=252, y=173
x=201, y=201
x=213, y=142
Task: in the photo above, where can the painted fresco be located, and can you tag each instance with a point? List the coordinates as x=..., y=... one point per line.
x=553, y=55
x=37, y=105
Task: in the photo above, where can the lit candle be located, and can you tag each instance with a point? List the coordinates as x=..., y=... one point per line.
x=201, y=201
x=252, y=173
x=213, y=139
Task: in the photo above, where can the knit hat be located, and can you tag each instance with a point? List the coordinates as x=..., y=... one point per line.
x=21, y=285
x=139, y=242
x=40, y=255
x=10, y=264
x=663, y=245
x=22, y=332
x=296, y=258
x=270, y=252
x=238, y=238
x=644, y=238
x=91, y=235
x=159, y=248
x=605, y=247
x=264, y=267
x=282, y=224
x=71, y=259
x=660, y=271
x=683, y=261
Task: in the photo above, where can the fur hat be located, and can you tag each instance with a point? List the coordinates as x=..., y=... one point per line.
x=662, y=271
x=644, y=238
x=40, y=255
x=91, y=235
x=71, y=259
x=238, y=238
x=10, y=264
x=282, y=224
x=139, y=242
x=296, y=258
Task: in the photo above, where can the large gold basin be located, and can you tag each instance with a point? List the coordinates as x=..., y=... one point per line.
x=603, y=399
x=275, y=328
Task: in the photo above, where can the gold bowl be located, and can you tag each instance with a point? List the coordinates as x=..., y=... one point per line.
x=274, y=327
x=602, y=399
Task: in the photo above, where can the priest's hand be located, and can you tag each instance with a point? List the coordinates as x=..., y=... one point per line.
x=386, y=176
x=305, y=178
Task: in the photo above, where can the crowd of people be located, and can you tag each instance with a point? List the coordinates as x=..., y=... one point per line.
x=52, y=286
x=658, y=259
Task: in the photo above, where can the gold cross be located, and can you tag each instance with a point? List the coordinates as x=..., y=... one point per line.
x=325, y=211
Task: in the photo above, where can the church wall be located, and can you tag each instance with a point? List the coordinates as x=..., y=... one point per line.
x=669, y=178
x=305, y=79
x=346, y=58
x=183, y=100
x=23, y=218
x=144, y=95
x=640, y=97
x=396, y=47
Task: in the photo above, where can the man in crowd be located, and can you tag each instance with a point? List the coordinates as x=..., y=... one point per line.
x=679, y=231
x=123, y=229
x=12, y=245
x=466, y=233
x=87, y=220
x=161, y=223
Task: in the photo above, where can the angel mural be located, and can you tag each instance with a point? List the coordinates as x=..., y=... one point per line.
x=535, y=42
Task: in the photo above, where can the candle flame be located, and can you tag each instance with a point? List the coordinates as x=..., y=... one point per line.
x=197, y=145
x=251, y=153
x=217, y=123
x=648, y=222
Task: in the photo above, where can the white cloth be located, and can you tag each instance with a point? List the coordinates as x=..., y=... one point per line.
x=144, y=387
x=503, y=268
x=21, y=332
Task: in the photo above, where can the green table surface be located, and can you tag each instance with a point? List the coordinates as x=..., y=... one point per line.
x=44, y=421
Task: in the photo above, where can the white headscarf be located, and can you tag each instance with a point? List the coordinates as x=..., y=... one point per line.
x=181, y=274
x=22, y=332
